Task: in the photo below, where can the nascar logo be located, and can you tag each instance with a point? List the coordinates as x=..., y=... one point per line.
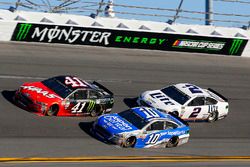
x=199, y=44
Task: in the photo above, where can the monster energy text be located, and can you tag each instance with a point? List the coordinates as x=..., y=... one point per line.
x=140, y=40
x=70, y=34
x=23, y=31
x=235, y=46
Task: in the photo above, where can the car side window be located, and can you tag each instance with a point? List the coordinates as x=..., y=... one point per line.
x=210, y=101
x=94, y=94
x=170, y=125
x=159, y=125
x=198, y=101
x=79, y=95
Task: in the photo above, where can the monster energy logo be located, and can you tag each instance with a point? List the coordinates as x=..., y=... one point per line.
x=91, y=106
x=235, y=46
x=23, y=31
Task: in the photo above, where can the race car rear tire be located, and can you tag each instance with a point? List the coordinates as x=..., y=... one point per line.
x=129, y=142
x=173, y=142
x=213, y=116
x=53, y=110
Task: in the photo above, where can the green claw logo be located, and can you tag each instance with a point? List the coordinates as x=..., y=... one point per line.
x=235, y=46
x=23, y=31
x=91, y=106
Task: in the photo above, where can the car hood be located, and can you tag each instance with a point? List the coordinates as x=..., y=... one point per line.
x=157, y=98
x=39, y=92
x=115, y=124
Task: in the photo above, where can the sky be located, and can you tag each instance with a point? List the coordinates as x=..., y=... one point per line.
x=219, y=6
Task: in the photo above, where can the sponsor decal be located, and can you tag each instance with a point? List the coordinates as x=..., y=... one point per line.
x=173, y=133
x=91, y=105
x=49, y=33
x=196, y=44
x=235, y=46
x=162, y=98
x=40, y=91
x=23, y=31
x=117, y=122
x=140, y=40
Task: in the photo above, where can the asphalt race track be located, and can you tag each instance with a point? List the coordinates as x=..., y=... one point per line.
x=126, y=73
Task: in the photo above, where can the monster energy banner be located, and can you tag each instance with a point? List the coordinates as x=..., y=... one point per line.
x=127, y=39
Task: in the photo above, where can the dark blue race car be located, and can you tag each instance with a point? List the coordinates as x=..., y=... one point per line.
x=142, y=127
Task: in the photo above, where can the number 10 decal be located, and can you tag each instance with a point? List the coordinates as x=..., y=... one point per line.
x=195, y=113
x=153, y=138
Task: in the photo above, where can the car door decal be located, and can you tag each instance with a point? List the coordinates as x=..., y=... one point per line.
x=195, y=112
x=153, y=138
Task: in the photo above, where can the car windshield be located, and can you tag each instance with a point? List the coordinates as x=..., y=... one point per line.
x=176, y=94
x=58, y=87
x=133, y=118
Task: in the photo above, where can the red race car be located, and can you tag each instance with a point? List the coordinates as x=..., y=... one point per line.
x=65, y=96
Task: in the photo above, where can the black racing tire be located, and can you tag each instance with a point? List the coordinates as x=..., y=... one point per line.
x=93, y=113
x=213, y=116
x=175, y=113
x=129, y=142
x=53, y=110
x=173, y=142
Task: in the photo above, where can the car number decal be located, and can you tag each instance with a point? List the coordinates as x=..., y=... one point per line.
x=78, y=107
x=195, y=112
x=149, y=113
x=153, y=138
x=193, y=88
x=75, y=82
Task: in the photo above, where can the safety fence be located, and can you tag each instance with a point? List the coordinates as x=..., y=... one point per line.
x=235, y=13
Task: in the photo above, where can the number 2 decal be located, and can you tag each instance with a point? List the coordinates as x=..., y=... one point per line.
x=193, y=88
x=75, y=82
x=195, y=113
x=153, y=138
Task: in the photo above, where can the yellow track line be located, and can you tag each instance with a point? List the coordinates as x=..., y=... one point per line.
x=116, y=159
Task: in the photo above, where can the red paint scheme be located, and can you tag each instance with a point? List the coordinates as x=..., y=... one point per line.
x=39, y=93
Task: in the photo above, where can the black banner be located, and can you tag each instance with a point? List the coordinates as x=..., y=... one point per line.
x=127, y=39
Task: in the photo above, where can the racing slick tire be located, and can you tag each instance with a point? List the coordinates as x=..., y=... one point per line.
x=213, y=116
x=93, y=113
x=53, y=110
x=173, y=142
x=129, y=142
x=175, y=113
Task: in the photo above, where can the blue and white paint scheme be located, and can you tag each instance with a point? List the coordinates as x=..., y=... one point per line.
x=188, y=101
x=142, y=127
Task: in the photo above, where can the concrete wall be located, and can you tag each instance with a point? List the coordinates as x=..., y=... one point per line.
x=9, y=19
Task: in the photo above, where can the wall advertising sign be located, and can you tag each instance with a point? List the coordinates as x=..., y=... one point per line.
x=127, y=39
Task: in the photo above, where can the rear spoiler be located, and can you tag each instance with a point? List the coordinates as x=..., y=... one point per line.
x=103, y=87
x=213, y=91
x=179, y=119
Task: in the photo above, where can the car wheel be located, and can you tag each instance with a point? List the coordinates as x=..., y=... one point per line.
x=93, y=113
x=212, y=116
x=173, y=142
x=53, y=110
x=175, y=113
x=129, y=142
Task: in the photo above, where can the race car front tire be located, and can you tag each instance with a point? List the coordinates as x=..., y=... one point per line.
x=53, y=110
x=129, y=142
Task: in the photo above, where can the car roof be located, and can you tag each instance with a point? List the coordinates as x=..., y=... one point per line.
x=191, y=89
x=150, y=114
x=62, y=80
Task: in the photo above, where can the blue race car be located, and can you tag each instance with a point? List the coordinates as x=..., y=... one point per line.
x=142, y=127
